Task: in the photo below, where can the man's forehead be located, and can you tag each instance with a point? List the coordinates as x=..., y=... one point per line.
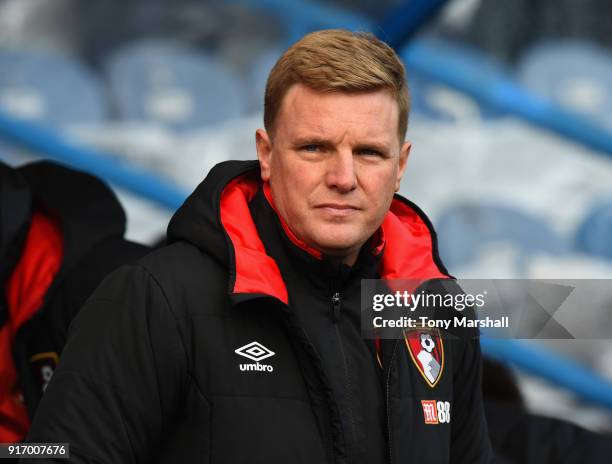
x=315, y=130
x=309, y=113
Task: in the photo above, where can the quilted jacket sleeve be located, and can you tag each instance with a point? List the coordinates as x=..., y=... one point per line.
x=121, y=375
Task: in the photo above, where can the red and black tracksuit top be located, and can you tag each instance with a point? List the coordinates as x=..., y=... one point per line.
x=237, y=344
x=61, y=232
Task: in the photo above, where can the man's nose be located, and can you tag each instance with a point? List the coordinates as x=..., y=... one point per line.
x=341, y=171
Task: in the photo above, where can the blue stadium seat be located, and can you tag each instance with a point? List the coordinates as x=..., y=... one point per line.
x=258, y=75
x=420, y=104
x=49, y=89
x=424, y=57
x=573, y=74
x=467, y=228
x=171, y=84
x=594, y=235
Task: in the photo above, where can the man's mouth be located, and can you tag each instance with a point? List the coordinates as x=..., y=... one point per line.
x=338, y=209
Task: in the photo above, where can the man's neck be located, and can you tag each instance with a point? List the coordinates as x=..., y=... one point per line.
x=348, y=259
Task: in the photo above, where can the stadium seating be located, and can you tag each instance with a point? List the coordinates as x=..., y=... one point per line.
x=594, y=235
x=258, y=75
x=421, y=104
x=425, y=57
x=171, y=84
x=49, y=89
x=573, y=74
x=466, y=229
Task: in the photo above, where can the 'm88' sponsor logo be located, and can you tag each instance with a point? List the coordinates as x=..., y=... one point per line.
x=436, y=412
x=443, y=412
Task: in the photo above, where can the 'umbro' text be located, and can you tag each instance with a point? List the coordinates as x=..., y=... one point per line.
x=256, y=367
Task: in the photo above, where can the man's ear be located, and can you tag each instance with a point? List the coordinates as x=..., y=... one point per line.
x=264, y=153
x=403, y=161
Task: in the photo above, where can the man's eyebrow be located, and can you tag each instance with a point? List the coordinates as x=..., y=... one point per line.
x=378, y=146
x=308, y=140
x=316, y=140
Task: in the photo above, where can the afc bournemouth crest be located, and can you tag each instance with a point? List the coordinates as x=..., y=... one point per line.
x=43, y=365
x=427, y=353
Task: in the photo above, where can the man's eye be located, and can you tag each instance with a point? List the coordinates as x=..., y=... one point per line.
x=311, y=148
x=370, y=152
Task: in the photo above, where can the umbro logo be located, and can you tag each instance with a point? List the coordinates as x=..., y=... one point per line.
x=255, y=351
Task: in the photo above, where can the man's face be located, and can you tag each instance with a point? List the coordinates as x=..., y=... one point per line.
x=333, y=163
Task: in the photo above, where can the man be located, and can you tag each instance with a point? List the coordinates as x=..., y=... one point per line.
x=240, y=341
x=61, y=233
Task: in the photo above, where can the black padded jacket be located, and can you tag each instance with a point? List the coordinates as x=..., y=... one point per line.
x=198, y=354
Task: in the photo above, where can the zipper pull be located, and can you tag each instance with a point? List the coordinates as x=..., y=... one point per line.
x=336, y=305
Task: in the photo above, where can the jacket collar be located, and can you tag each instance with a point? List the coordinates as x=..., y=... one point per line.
x=216, y=219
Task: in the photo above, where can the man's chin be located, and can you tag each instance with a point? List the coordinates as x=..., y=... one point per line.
x=340, y=245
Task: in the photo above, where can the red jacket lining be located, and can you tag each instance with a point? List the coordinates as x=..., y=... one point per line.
x=406, y=238
x=25, y=291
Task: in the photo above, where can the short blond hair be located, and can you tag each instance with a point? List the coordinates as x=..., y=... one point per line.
x=338, y=60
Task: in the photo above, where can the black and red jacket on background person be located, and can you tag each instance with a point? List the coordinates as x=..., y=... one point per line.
x=237, y=343
x=61, y=233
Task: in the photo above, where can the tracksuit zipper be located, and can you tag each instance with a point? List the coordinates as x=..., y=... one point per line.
x=336, y=306
x=336, y=301
x=388, y=401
